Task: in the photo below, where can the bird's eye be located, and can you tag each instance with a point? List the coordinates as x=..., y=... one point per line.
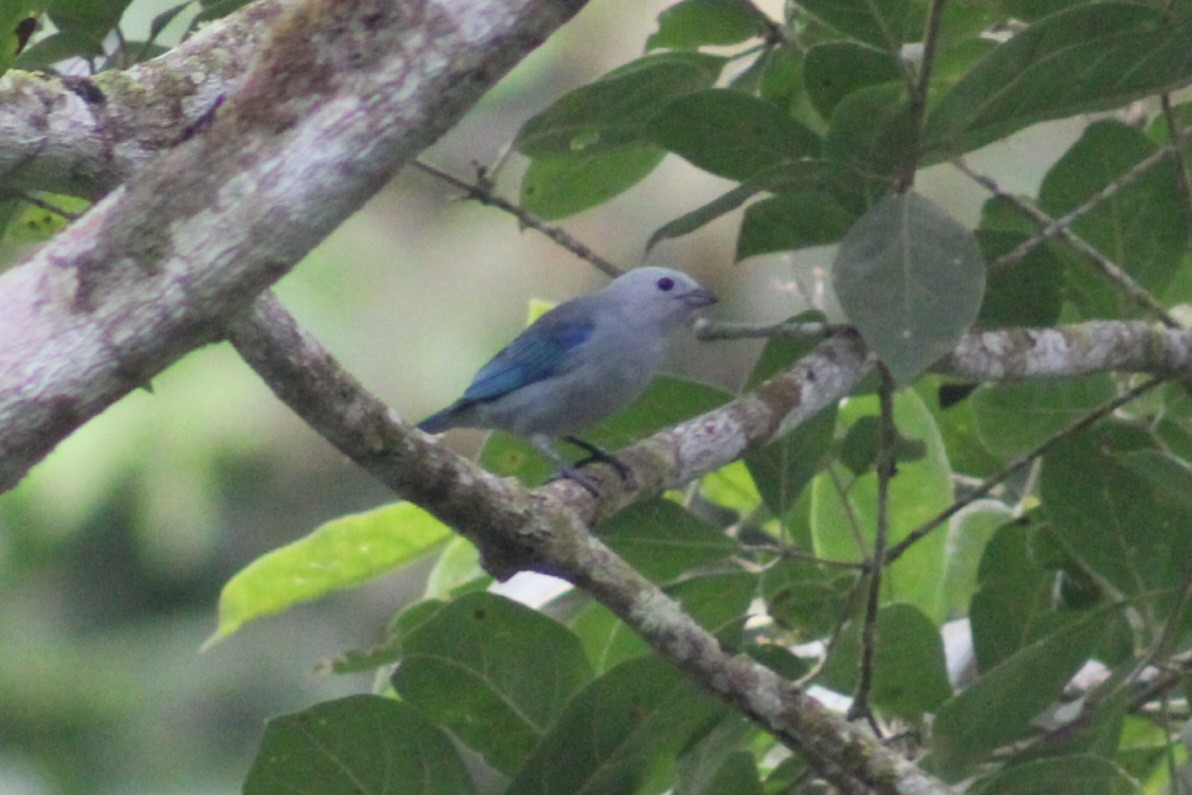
x=666, y=284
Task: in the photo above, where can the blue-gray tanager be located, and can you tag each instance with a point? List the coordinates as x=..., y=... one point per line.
x=579, y=363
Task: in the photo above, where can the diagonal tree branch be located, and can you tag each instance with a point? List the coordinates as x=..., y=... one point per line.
x=85, y=135
x=341, y=94
x=547, y=529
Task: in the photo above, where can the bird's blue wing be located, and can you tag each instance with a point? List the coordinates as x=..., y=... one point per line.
x=544, y=350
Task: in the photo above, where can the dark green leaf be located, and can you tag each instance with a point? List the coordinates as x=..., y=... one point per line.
x=615, y=732
x=494, y=672
x=1012, y=606
x=218, y=9
x=1108, y=517
x=1169, y=475
x=91, y=18
x=886, y=25
x=784, y=467
x=1142, y=227
x=998, y=707
x=612, y=112
x=1081, y=774
x=55, y=48
x=858, y=449
x=359, y=745
x=162, y=20
x=1014, y=418
x=556, y=187
x=909, y=674
x=835, y=69
x=719, y=602
x=699, y=767
x=1027, y=293
x=803, y=175
x=867, y=140
x=805, y=597
x=790, y=222
x=662, y=540
x=911, y=280
x=730, y=133
x=1096, y=56
x=697, y=23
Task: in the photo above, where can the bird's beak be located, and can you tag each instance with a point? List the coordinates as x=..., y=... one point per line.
x=700, y=297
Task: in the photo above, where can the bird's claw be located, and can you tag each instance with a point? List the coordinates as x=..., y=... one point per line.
x=589, y=483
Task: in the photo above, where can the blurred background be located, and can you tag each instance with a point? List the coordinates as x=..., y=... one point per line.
x=113, y=550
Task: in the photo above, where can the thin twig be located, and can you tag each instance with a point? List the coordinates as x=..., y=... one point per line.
x=1122, y=280
x=712, y=330
x=990, y=483
x=918, y=98
x=483, y=192
x=37, y=201
x=887, y=438
x=1182, y=181
x=1127, y=178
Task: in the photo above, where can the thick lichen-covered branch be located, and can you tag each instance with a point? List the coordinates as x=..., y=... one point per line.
x=339, y=96
x=547, y=529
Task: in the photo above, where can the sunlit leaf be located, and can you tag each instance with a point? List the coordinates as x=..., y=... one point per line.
x=339, y=554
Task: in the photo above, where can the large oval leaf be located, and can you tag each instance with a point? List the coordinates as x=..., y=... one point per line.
x=911, y=280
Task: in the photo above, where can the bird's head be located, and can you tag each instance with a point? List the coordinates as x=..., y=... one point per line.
x=658, y=296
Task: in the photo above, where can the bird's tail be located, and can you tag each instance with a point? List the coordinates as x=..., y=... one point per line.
x=440, y=420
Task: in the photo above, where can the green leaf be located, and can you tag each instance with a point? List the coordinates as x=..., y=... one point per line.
x=1096, y=56
x=910, y=677
x=790, y=222
x=612, y=112
x=1027, y=293
x=556, y=187
x=969, y=533
x=911, y=280
x=606, y=639
x=496, y=673
x=805, y=597
x=457, y=571
x=662, y=540
x=1107, y=516
x=835, y=69
x=998, y=707
x=886, y=25
x=1012, y=606
x=55, y=48
x=699, y=23
x=868, y=136
x=1142, y=227
x=784, y=467
x=737, y=774
x=798, y=176
x=1014, y=418
x=1079, y=774
x=731, y=134
x=37, y=224
x=719, y=602
x=359, y=745
x=920, y=490
x=614, y=734
x=91, y=18
x=17, y=21
x=338, y=554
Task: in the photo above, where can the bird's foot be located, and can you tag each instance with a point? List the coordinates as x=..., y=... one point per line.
x=598, y=456
x=589, y=483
